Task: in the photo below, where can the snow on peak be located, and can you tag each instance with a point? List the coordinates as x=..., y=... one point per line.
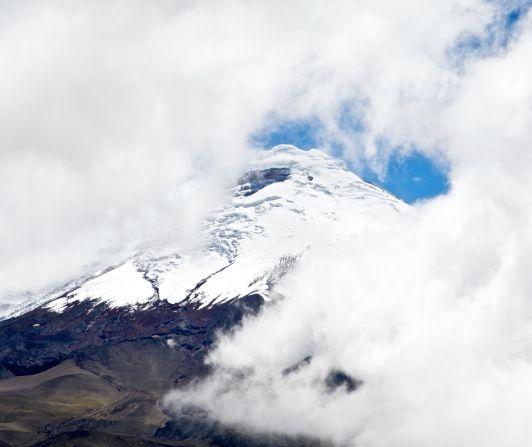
x=289, y=155
x=288, y=201
x=301, y=161
x=124, y=285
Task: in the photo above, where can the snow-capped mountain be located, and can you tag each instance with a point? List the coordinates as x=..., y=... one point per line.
x=287, y=202
x=105, y=348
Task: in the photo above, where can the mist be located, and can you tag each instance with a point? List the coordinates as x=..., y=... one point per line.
x=431, y=312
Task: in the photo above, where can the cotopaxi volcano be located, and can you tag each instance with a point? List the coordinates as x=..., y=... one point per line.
x=87, y=364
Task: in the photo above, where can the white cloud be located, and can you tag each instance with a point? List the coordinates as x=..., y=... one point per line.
x=433, y=314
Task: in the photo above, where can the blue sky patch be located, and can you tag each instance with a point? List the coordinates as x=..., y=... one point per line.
x=301, y=133
x=411, y=177
x=496, y=36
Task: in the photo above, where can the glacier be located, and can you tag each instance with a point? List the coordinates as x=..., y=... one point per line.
x=286, y=203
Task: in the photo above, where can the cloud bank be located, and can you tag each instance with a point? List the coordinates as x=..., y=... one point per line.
x=433, y=314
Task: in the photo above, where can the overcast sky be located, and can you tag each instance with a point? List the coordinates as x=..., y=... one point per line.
x=122, y=121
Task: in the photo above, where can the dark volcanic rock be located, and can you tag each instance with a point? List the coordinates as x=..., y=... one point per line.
x=92, y=369
x=41, y=339
x=87, y=438
x=193, y=425
x=301, y=364
x=254, y=181
x=337, y=379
